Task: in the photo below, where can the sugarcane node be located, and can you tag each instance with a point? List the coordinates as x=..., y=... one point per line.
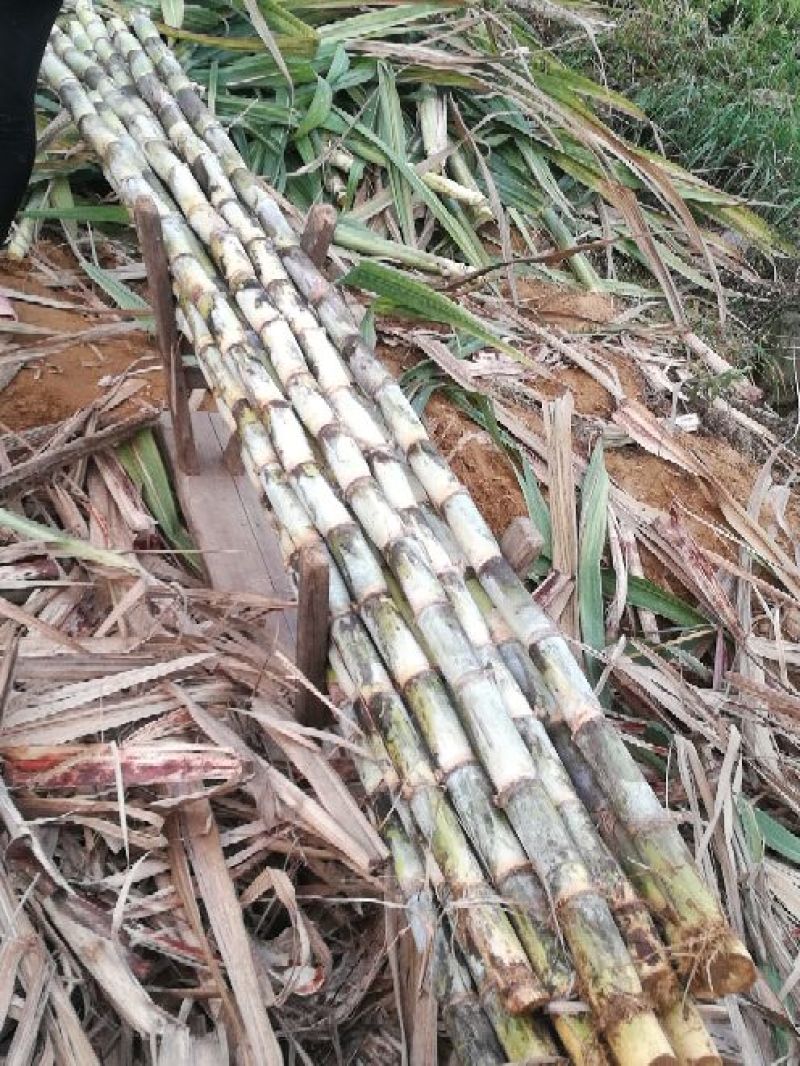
x=200, y=173
x=505, y=796
x=444, y=773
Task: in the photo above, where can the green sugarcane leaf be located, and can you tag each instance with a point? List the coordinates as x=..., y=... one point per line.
x=534, y=501
x=394, y=134
x=591, y=542
x=374, y=23
x=475, y=256
x=648, y=758
x=318, y=109
x=752, y=832
x=285, y=20
x=172, y=11
x=145, y=467
x=122, y=295
x=66, y=545
x=647, y=596
x=543, y=176
x=80, y=213
x=777, y=837
x=61, y=198
x=265, y=33
x=340, y=65
x=415, y=298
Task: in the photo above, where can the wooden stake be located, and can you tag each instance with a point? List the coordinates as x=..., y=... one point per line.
x=318, y=234
x=159, y=284
x=522, y=544
x=312, y=634
x=232, y=456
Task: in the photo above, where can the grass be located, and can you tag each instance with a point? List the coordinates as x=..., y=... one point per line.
x=450, y=137
x=718, y=79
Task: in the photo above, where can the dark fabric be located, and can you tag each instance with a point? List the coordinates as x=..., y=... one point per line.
x=24, y=28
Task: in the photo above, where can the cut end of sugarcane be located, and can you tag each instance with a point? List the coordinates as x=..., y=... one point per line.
x=640, y=1041
x=726, y=972
x=716, y=966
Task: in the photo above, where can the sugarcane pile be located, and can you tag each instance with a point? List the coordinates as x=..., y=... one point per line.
x=559, y=905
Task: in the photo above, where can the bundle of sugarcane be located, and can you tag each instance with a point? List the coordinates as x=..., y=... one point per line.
x=439, y=641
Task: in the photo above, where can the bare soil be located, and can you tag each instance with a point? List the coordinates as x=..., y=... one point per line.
x=52, y=388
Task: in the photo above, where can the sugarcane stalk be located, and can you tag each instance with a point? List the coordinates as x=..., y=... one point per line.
x=491, y=729
x=501, y=853
x=678, y=1014
x=487, y=924
x=522, y=1039
x=431, y=810
x=576, y=1032
x=643, y=943
x=688, y=1035
x=680, y=1018
x=640, y=936
x=470, y=1031
x=332, y=518
x=699, y=919
x=227, y=251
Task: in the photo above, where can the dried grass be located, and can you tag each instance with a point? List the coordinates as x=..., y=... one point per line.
x=176, y=853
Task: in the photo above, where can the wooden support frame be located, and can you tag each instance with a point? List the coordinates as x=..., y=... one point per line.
x=225, y=516
x=151, y=238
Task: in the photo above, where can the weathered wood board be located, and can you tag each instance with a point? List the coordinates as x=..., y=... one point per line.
x=229, y=524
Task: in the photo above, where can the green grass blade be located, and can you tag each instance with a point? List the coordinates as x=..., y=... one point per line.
x=419, y=300
x=72, y=546
x=144, y=465
x=392, y=128
x=172, y=11
x=591, y=542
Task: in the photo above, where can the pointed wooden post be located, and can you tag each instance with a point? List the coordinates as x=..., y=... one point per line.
x=151, y=239
x=312, y=634
x=318, y=233
x=522, y=544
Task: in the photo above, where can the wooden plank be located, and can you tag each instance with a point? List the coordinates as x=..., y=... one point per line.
x=229, y=524
x=312, y=634
x=264, y=535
